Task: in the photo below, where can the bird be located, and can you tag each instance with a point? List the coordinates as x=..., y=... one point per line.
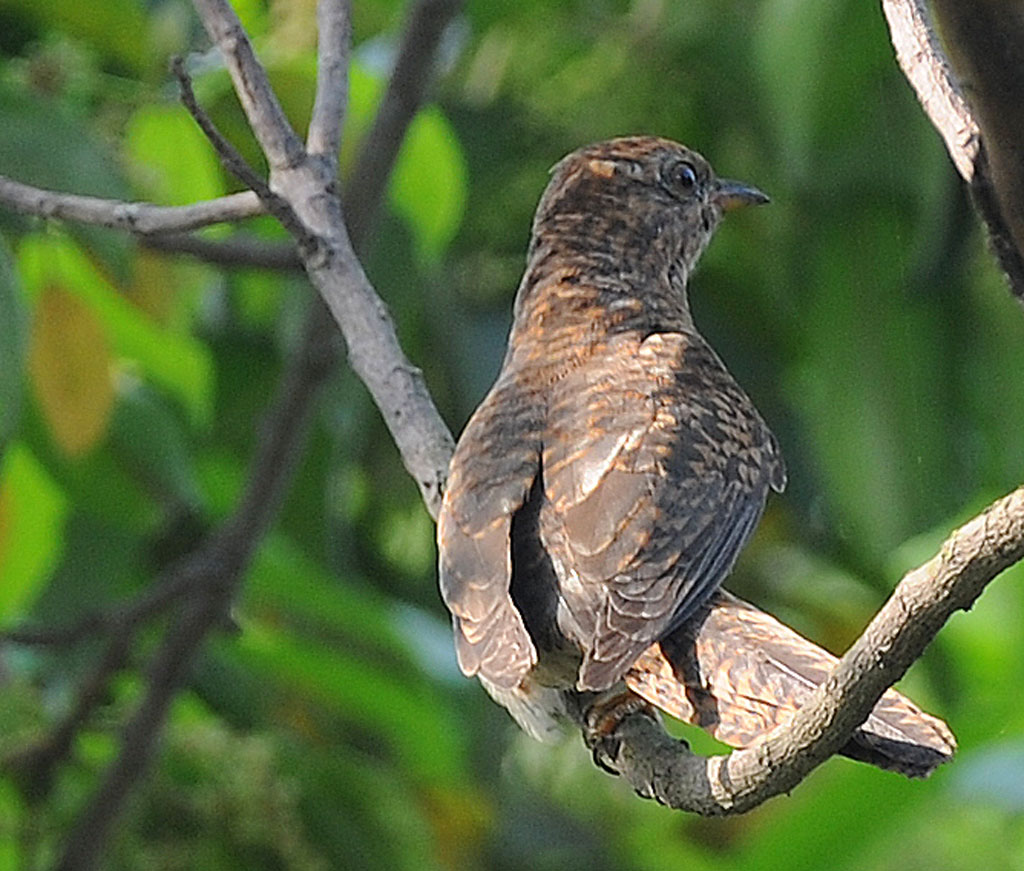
x=604, y=487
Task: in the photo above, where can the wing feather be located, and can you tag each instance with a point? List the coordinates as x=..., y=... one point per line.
x=492, y=471
x=656, y=469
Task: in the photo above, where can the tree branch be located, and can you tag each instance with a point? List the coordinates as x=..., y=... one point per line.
x=139, y=218
x=279, y=142
x=212, y=575
x=659, y=767
x=983, y=138
x=403, y=97
x=235, y=163
x=924, y=63
x=334, y=30
x=239, y=250
x=221, y=563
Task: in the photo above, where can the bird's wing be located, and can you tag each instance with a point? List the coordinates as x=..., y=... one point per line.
x=492, y=470
x=739, y=673
x=656, y=468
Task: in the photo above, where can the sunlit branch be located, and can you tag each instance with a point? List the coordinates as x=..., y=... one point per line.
x=661, y=768
x=982, y=134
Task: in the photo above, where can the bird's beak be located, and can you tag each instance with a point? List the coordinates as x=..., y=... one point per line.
x=734, y=194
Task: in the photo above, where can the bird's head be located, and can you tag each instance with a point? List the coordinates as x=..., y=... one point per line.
x=642, y=208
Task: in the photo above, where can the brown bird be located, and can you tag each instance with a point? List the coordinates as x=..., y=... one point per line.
x=603, y=489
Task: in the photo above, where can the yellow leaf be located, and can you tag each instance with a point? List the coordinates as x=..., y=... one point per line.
x=69, y=367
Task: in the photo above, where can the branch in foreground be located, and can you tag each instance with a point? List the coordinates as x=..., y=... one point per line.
x=658, y=767
x=225, y=557
x=233, y=161
x=982, y=143
x=397, y=387
x=139, y=218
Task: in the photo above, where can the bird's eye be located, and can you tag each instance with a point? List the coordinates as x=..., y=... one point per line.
x=684, y=177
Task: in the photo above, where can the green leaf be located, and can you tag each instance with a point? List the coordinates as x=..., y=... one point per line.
x=399, y=709
x=12, y=819
x=367, y=677
x=285, y=581
x=174, y=163
x=175, y=361
x=151, y=442
x=46, y=144
x=32, y=513
x=428, y=186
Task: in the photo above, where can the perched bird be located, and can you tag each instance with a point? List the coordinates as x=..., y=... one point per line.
x=603, y=489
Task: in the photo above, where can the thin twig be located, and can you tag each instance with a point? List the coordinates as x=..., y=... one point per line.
x=121, y=619
x=139, y=218
x=279, y=142
x=229, y=155
x=239, y=250
x=236, y=164
x=34, y=767
x=334, y=31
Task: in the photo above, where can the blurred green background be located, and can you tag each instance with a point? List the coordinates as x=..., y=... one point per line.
x=861, y=310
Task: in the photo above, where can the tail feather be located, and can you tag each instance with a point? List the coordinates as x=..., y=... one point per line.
x=739, y=673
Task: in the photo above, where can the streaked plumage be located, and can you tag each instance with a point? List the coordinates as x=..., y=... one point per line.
x=603, y=489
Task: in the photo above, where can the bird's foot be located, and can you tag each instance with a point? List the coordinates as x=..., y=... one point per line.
x=602, y=718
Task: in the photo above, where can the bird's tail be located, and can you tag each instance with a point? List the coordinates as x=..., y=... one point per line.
x=739, y=673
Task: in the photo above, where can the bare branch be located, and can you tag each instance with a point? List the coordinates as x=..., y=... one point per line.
x=661, y=768
x=166, y=676
x=279, y=142
x=229, y=156
x=985, y=42
x=235, y=163
x=982, y=138
x=240, y=250
x=427, y=22
x=924, y=63
x=334, y=29
x=222, y=562
x=34, y=767
x=139, y=218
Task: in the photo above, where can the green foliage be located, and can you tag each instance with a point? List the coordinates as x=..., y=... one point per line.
x=333, y=730
x=12, y=349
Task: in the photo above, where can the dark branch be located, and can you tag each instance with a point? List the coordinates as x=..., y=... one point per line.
x=239, y=250
x=34, y=768
x=122, y=619
x=401, y=101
